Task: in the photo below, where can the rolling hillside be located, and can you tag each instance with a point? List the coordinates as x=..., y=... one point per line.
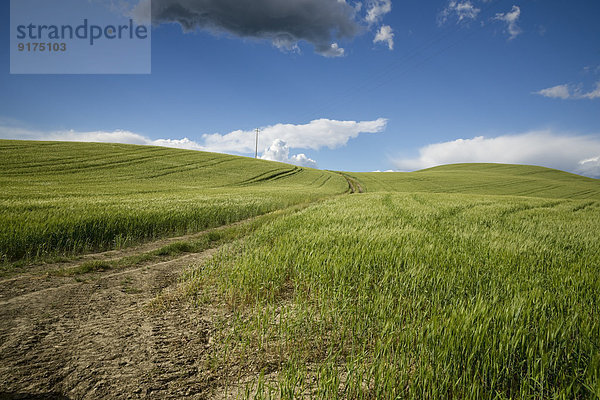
x=68, y=198
x=491, y=179
x=65, y=198
x=469, y=281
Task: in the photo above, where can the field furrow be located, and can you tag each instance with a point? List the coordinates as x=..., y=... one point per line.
x=154, y=273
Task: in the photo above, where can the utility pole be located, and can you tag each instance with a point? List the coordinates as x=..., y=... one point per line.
x=256, y=148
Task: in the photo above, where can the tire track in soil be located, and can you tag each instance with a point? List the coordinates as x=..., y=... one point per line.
x=36, y=276
x=354, y=185
x=34, y=270
x=97, y=339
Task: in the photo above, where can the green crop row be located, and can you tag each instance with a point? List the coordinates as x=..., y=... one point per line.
x=424, y=296
x=498, y=179
x=67, y=198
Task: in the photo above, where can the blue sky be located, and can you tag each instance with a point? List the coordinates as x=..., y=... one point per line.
x=466, y=81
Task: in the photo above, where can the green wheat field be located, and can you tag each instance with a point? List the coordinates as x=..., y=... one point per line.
x=476, y=281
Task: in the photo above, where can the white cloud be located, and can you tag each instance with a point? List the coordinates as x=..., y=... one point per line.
x=577, y=154
x=590, y=167
x=594, y=94
x=462, y=10
x=511, y=18
x=567, y=92
x=334, y=50
x=556, y=92
x=184, y=143
x=118, y=136
x=280, y=151
x=386, y=35
x=314, y=135
x=377, y=9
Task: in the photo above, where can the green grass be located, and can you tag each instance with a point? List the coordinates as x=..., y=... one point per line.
x=423, y=296
x=500, y=179
x=69, y=198
x=477, y=281
x=206, y=240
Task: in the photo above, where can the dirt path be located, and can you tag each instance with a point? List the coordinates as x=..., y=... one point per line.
x=40, y=268
x=353, y=184
x=65, y=339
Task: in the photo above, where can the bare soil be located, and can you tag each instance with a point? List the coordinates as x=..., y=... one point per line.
x=95, y=336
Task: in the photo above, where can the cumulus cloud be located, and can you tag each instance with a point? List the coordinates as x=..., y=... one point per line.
x=283, y=23
x=315, y=135
x=385, y=35
x=569, y=92
x=461, y=10
x=280, y=151
x=577, y=154
x=511, y=18
x=377, y=10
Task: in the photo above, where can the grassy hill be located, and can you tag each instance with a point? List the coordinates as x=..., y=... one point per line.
x=490, y=179
x=66, y=198
x=476, y=281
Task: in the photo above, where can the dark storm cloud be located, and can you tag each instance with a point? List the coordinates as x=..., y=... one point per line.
x=283, y=22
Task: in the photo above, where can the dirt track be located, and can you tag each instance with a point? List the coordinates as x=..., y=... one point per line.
x=69, y=339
